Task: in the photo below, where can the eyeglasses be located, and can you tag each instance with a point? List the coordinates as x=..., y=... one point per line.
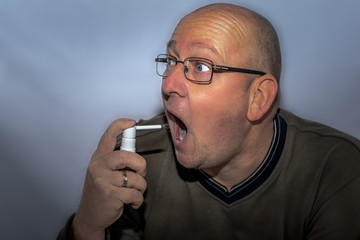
x=196, y=69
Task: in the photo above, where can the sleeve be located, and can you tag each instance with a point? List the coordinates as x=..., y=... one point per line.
x=65, y=233
x=129, y=226
x=336, y=210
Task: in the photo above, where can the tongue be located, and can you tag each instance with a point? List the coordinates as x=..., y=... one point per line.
x=180, y=130
x=182, y=134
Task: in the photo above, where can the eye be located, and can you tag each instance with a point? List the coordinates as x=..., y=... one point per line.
x=202, y=67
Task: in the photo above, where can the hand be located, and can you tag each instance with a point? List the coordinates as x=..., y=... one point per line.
x=104, y=195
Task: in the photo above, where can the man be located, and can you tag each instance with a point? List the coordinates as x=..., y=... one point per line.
x=234, y=166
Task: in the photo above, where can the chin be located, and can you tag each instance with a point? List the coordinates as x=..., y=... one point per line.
x=185, y=161
x=189, y=161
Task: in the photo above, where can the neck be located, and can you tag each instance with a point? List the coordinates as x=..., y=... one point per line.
x=247, y=161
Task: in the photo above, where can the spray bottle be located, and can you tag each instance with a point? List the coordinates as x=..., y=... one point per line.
x=128, y=140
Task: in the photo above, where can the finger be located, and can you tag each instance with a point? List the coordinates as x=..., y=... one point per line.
x=128, y=179
x=131, y=196
x=108, y=139
x=119, y=160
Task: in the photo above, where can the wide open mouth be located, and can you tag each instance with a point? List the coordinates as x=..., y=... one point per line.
x=180, y=128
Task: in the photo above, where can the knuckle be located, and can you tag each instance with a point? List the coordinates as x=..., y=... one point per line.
x=143, y=162
x=106, y=134
x=142, y=183
x=124, y=154
x=93, y=170
x=138, y=182
x=145, y=185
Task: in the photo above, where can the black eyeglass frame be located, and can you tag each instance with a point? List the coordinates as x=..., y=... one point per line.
x=163, y=58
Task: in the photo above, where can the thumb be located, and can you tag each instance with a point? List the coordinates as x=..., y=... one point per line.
x=108, y=140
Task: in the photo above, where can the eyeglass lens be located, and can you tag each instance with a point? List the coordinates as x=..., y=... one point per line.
x=195, y=69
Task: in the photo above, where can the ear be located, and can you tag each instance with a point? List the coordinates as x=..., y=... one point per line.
x=263, y=92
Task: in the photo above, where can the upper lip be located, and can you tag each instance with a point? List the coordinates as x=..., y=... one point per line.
x=170, y=109
x=174, y=116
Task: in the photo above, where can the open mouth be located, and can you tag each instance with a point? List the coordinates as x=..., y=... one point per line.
x=180, y=129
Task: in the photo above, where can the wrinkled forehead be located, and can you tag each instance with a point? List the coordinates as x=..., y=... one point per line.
x=232, y=22
x=220, y=32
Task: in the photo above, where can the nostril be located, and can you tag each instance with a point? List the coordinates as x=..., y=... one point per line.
x=165, y=96
x=174, y=84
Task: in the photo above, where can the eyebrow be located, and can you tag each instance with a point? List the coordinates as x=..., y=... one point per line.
x=172, y=45
x=206, y=46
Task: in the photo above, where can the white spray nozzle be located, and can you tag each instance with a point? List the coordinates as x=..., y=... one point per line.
x=129, y=136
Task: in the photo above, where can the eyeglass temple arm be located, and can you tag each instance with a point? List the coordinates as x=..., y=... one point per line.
x=243, y=70
x=160, y=59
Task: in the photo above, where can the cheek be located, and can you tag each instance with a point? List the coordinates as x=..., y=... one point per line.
x=220, y=103
x=218, y=116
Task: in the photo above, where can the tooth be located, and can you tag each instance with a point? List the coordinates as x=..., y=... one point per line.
x=182, y=134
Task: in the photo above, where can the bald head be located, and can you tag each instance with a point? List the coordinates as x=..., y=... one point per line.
x=248, y=29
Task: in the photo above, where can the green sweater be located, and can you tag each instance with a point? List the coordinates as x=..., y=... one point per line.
x=308, y=187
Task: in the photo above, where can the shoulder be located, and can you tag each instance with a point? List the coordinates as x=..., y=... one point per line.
x=330, y=158
x=330, y=164
x=312, y=133
x=318, y=145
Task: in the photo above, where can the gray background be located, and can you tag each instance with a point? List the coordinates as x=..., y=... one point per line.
x=69, y=68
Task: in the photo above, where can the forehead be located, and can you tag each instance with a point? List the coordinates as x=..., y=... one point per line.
x=214, y=33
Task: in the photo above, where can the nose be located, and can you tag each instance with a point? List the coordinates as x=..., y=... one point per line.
x=175, y=83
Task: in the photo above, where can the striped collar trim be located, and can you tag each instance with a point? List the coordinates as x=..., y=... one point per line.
x=256, y=179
